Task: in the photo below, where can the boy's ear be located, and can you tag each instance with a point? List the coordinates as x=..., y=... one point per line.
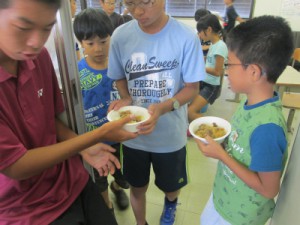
x=209, y=29
x=255, y=71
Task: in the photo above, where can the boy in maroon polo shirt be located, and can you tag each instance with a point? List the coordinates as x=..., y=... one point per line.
x=42, y=179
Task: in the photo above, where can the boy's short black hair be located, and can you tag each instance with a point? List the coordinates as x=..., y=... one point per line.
x=56, y=3
x=200, y=13
x=92, y=22
x=266, y=41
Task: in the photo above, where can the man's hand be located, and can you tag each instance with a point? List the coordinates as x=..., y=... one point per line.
x=113, y=131
x=100, y=157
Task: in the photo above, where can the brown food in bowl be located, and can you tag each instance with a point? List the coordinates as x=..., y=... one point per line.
x=213, y=131
x=138, y=118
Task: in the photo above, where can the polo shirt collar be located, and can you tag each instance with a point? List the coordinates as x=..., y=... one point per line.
x=24, y=66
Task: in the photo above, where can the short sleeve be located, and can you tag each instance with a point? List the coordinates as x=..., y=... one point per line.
x=115, y=67
x=268, y=145
x=233, y=14
x=222, y=51
x=11, y=149
x=193, y=61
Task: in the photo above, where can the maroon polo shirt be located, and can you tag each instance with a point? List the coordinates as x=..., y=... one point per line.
x=28, y=106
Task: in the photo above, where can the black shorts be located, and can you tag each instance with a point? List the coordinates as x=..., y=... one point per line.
x=169, y=168
x=209, y=92
x=89, y=208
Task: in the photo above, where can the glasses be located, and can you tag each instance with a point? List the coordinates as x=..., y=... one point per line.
x=111, y=3
x=144, y=4
x=227, y=65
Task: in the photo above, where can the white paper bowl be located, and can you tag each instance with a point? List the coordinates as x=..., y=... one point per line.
x=136, y=110
x=209, y=120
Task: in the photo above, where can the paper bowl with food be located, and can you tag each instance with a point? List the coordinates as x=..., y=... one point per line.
x=215, y=127
x=141, y=115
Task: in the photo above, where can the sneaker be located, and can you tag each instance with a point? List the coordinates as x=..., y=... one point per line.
x=121, y=197
x=168, y=215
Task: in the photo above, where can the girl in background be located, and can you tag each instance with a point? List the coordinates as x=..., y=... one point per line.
x=209, y=29
x=205, y=44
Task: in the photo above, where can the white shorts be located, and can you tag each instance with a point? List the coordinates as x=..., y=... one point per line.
x=210, y=216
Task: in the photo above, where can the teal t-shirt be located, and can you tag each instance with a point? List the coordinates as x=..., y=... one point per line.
x=217, y=49
x=235, y=201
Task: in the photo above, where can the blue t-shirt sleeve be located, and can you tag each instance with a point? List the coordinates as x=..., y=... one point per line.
x=193, y=67
x=268, y=145
x=115, y=68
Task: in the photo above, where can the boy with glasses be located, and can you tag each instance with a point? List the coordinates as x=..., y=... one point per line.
x=251, y=165
x=157, y=63
x=109, y=7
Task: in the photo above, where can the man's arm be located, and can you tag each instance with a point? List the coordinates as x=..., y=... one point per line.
x=122, y=87
x=124, y=94
x=218, y=70
x=185, y=95
x=34, y=161
x=239, y=19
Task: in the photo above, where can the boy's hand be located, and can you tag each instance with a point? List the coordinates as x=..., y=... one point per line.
x=113, y=131
x=212, y=149
x=99, y=157
x=117, y=104
x=148, y=126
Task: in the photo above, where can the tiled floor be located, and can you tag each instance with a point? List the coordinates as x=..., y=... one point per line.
x=193, y=197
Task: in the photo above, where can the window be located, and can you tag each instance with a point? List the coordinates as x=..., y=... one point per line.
x=187, y=8
x=96, y=4
x=93, y=3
